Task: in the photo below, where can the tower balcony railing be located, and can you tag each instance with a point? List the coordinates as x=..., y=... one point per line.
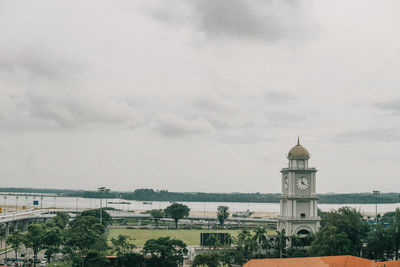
x=299, y=217
x=298, y=168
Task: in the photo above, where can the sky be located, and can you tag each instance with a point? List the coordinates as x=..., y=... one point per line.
x=199, y=95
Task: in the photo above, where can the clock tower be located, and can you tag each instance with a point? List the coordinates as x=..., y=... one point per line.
x=298, y=211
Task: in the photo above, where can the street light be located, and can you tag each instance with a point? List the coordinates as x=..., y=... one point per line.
x=16, y=204
x=101, y=190
x=5, y=203
x=376, y=193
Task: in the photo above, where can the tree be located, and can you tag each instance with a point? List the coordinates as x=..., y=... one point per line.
x=261, y=239
x=61, y=219
x=121, y=244
x=213, y=241
x=34, y=239
x=349, y=222
x=164, y=252
x=15, y=239
x=329, y=241
x=207, y=259
x=297, y=244
x=177, y=211
x=130, y=259
x=394, y=229
x=280, y=242
x=244, y=248
x=106, y=218
x=51, y=240
x=157, y=214
x=84, y=236
x=379, y=244
x=222, y=214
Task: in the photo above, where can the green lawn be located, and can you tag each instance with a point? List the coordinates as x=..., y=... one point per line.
x=190, y=237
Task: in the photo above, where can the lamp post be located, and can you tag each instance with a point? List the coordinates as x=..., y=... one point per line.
x=107, y=191
x=376, y=193
x=16, y=204
x=5, y=204
x=102, y=190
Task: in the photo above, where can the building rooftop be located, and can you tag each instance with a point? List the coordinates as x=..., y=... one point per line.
x=330, y=261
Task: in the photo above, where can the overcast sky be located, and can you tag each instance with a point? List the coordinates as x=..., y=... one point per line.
x=199, y=95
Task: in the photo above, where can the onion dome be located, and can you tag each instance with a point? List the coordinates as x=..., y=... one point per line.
x=298, y=152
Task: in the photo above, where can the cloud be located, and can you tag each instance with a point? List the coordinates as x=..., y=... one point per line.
x=392, y=106
x=278, y=97
x=267, y=21
x=171, y=125
x=37, y=61
x=78, y=110
x=377, y=134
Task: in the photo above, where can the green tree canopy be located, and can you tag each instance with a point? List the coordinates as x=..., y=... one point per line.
x=34, y=239
x=207, y=259
x=85, y=235
x=165, y=252
x=330, y=241
x=16, y=240
x=350, y=222
x=106, y=218
x=157, y=214
x=177, y=211
x=222, y=214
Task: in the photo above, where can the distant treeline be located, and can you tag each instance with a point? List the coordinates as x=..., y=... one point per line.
x=164, y=195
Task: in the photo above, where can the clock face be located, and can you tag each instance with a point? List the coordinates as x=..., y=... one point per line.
x=286, y=183
x=302, y=183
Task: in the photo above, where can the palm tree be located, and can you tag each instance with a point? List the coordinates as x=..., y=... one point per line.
x=261, y=239
x=280, y=241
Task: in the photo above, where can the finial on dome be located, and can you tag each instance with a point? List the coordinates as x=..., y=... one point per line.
x=298, y=140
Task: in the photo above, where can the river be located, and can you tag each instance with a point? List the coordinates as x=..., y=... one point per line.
x=83, y=203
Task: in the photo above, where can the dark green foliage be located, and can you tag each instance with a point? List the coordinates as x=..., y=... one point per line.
x=61, y=219
x=261, y=240
x=33, y=239
x=106, y=218
x=222, y=214
x=177, y=211
x=96, y=259
x=16, y=240
x=281, y=243
x=164, y=252
x=121, y=244
x=85, y=235
x=130, y=259
x=394, y=231
x=349, y=222
x=330, y=241
x=380, y=244
x=51, y=240
x=207, y=259
x=157, y=214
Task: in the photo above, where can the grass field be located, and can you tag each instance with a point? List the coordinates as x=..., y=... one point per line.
x=190, y=237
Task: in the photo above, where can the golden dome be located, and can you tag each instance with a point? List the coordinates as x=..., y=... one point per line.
x=298, y=152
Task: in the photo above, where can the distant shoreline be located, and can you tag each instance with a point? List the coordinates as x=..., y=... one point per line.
x=164, y=195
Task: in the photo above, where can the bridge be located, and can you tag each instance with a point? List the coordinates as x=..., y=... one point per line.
x=30, y=216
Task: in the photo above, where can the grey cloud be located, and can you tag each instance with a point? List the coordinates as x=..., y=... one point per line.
x=391, y=106
x=377, y=134
x=171, y=125
x=73, y=112
x=268, y=20
x=278, y=97
x=34, y=62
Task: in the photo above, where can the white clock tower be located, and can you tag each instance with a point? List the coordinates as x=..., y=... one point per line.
x=298, y=212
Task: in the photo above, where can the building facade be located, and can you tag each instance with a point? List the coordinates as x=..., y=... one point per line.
x=298, y=210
